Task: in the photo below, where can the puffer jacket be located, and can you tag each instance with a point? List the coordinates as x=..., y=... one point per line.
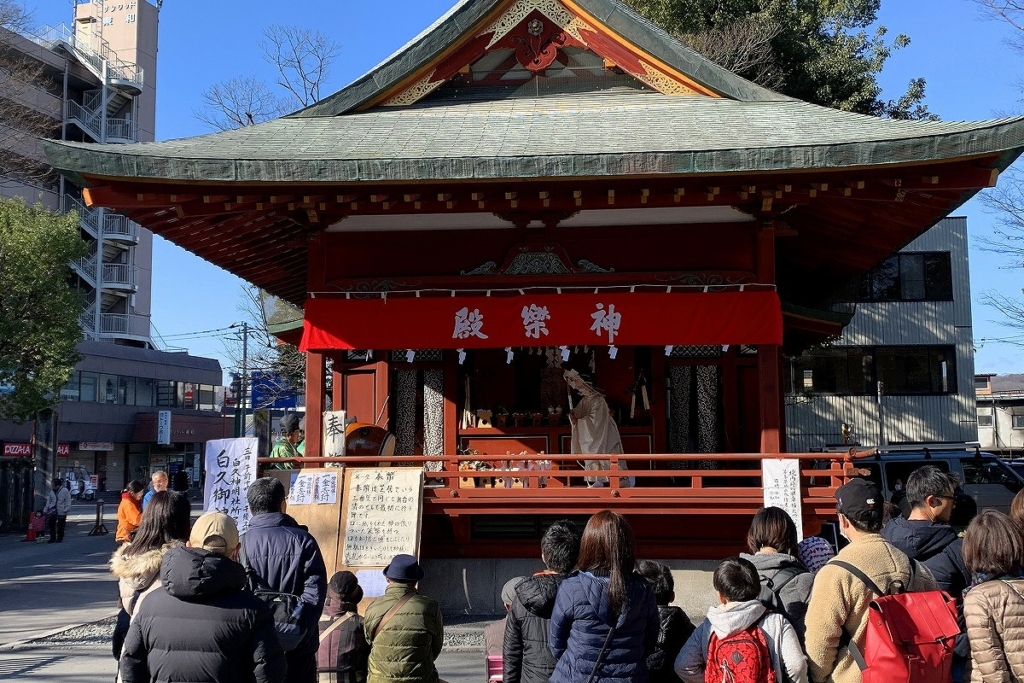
x=287, y=559
x=936, y=546
x=795, y=592
x=526, y=655
x=202, y=625
x=129, y=516
x=995, y=626
x=138, y=575
x=406, y=647
x=839, y=602
x=724, y=620
x=674, y=631
x=580, y=623
x=345, y=649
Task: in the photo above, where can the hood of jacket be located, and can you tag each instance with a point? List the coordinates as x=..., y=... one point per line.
x=537, y=593
x=131, y=499
x=336, y=608
x=919, y=539
x=773, y=562
x=594, y=587
x=197, y=574
x=734, y=617
x=140, y=570
x=271, y=519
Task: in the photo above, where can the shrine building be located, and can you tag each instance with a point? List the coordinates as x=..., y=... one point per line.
x=532, y=185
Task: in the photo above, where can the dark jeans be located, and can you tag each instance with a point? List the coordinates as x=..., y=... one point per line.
x=57, y=524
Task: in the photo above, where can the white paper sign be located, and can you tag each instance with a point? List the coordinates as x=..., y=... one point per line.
x=230, y=468
x=781, y=479
x=334, y=433
x=325, y=488
x=372, y=582
x=383, y=515
x=301, y=491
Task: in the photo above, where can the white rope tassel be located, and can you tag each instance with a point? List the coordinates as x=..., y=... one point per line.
x=462, y=356
x=509, y=355
x=410, y=356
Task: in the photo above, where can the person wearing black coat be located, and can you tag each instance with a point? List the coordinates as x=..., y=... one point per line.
x=287, y=559
x=202, y=624
x=526, y=657
x=675, y=626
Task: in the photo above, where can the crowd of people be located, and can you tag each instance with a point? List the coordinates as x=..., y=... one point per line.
x=199, y=603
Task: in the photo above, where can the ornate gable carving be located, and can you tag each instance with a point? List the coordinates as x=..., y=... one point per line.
x=537, y=259
x=537, y=32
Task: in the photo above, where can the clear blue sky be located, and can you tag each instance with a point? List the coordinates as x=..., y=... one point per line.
x=970, y=69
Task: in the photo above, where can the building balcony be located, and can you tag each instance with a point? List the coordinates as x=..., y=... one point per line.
x=119, y=228
x=90, y=120
x=88, y=218
x=120, y=276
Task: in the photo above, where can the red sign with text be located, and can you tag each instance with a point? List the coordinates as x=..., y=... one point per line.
x=603, y=318
x=24, y=450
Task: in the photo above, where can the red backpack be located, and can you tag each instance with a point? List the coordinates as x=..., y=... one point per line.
x=909, y=636
x=742, y=657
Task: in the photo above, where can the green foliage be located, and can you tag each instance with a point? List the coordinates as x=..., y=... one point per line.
x=819, y=51
x=39, y=310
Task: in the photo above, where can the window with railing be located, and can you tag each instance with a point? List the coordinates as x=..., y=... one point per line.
x=856, y=370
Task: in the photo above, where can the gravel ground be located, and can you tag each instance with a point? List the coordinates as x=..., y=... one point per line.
x=461, y=634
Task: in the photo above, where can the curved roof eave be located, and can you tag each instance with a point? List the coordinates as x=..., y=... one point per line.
x=461, y=18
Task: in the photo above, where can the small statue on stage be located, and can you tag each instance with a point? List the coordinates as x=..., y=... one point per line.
x=593, y=429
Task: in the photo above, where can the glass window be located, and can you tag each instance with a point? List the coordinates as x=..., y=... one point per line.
x=108, y=388
x=166, y=394
x=916, y=369
x=938, y=277
x=909, y=277
x=87, y=387
x=885, y=283
x=207, y=397
x=984, y=420
x=144, y=392
x=988, y=471
x=902, y=470
x=1018, y=421
x=912, y=277
x=981, y=382
x=69, y=392
x=188, y=395
x=126, y=391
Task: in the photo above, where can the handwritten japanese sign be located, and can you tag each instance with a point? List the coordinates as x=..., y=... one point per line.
x=230, y=468
x=781, y=480
x=334, y=433
x=383, y=515
x=301, y=491
x=325, y=488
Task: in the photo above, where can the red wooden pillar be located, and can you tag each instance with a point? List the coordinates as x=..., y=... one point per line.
x=768, y=355
x=316, y=389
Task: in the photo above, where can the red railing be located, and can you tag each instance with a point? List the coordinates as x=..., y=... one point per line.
x=513, y=485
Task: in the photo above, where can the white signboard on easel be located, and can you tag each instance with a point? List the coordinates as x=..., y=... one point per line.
x=781, y=481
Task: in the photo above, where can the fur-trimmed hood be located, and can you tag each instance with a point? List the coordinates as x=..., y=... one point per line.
x=137, y=572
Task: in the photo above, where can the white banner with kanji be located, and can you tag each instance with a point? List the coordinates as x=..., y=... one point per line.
x=230, y=468
x=781, y=480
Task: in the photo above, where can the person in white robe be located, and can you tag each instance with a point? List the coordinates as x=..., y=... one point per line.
x=593, y=429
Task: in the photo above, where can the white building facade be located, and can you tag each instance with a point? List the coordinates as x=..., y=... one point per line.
x=912, y=333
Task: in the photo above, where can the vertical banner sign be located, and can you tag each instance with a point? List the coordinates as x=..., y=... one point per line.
x=163, y=428
x=334, y=434
x=781, y=479
x=230, y=468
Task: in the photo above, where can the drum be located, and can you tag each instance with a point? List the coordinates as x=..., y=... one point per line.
x=367, y=439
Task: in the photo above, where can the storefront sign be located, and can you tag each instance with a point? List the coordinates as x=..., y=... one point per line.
x=230, y=468
x=24, y=450
x=781, y=482
x=751, y=316
x=95, y=446
x=163, y=428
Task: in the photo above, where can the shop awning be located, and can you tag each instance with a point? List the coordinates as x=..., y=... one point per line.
x=742, y=314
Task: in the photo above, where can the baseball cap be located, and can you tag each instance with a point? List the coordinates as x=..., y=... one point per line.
x=859, y=498
x=216, y=532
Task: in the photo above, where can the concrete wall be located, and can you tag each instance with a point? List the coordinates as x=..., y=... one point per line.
x=473, y=586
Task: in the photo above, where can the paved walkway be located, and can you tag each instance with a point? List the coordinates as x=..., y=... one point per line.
x=49, y=588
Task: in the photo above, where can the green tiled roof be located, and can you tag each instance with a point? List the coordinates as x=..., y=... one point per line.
x=624, y=132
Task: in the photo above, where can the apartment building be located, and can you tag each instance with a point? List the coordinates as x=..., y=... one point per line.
x=902, y=372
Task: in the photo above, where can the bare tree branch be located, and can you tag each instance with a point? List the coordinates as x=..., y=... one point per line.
x=239, y=102
x=303, y=59
x=743, y=47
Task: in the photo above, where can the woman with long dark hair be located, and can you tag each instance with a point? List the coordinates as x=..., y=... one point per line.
x=165, y=524
x=605, y=620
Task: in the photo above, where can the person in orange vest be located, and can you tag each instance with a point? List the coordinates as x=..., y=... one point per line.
x=129, y=512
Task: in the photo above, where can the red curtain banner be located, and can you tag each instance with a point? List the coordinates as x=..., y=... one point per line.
x=604, y=318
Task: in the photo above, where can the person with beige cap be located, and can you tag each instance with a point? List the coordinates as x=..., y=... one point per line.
x=203, y=624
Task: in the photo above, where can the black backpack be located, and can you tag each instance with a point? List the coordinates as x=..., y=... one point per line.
x=771, y=589
x=286, y=608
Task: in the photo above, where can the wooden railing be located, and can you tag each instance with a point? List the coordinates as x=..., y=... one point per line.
x=561, y=488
